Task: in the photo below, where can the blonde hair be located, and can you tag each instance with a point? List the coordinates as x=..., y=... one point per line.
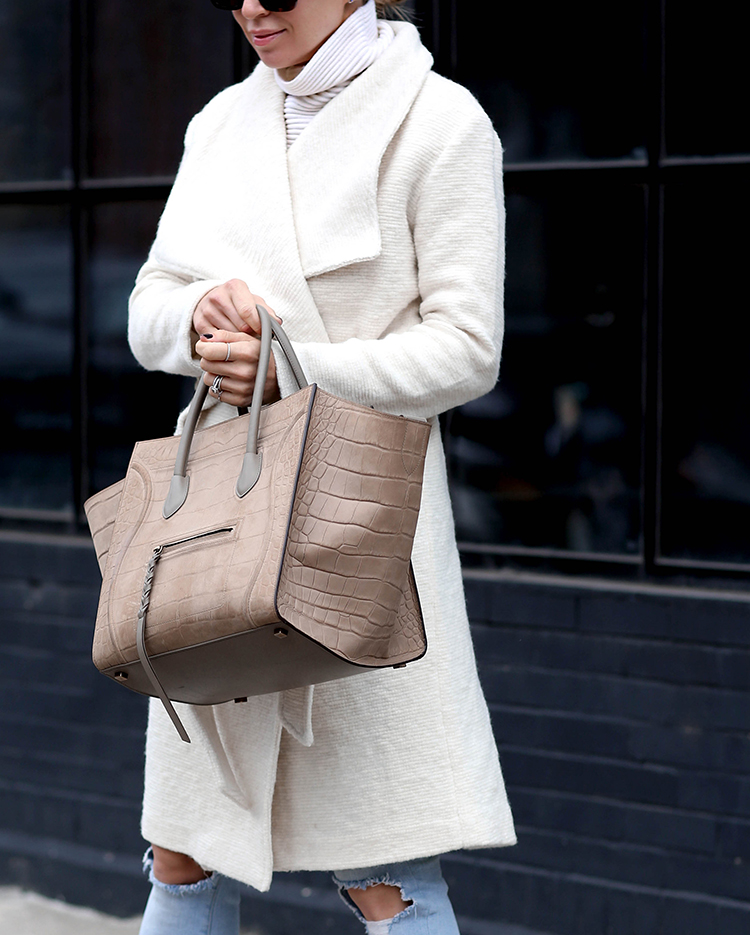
x=391, y=9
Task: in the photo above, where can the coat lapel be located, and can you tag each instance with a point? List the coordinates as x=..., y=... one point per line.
x=244, y=207
x=334, y=163
x=230, y=212
x=273, y=235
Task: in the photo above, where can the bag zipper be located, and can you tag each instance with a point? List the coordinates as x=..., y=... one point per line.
x=201, y=535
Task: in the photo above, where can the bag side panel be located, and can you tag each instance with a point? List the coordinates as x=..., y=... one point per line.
x=133, y=505
x=345, y=580
x=101, y=511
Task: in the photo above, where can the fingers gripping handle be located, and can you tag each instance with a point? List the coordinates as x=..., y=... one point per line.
x=252, y=462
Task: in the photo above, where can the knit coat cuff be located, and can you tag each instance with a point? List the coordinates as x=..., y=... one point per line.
x=165, y=341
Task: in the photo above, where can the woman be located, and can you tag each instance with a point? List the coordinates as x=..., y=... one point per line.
x=356, y=193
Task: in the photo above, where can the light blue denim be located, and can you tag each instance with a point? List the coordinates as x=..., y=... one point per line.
x=212, y=906
x=421, y=883
x=209, y=907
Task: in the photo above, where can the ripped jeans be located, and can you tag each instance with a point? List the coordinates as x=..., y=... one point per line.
x=212, y=906
x=421, y=883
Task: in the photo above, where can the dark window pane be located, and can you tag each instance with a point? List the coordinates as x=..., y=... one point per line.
x=35, y=310
x=551, y=458
x=707, y=79
x=153, y=65
x=127, y=403
x=560, y=81
x=706, y=374
x=35, y=102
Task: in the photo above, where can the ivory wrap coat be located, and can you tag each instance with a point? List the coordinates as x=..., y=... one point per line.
x=378, y=238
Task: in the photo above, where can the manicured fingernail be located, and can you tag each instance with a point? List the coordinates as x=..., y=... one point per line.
x=206, y=335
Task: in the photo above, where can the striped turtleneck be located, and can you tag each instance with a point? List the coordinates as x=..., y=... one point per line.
x=345, y=54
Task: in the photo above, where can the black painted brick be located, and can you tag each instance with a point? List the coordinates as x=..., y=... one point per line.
x=80, y=774
x=55, y=633
x=109, y=822
x=622, y=720
x=714, y=792
x=588, y=693
x=629, y=863
x=657, y=659
x=49, y=597
x=718, y=622
x=98, y=702
x=520, y=604
x=578, y=905
x=629, y=782
x=65, y=560
x=122, y=747
x=734, y=841
x=44, y=666
x=613, y=737
x=627, y=822
x=56, y=876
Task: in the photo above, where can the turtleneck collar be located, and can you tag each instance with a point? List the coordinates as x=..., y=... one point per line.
x=352, y=48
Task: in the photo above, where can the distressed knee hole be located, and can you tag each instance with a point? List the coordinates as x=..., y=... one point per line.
x=379, y=902
x=175, y=872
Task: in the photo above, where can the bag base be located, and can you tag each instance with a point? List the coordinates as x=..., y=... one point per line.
x=255, y=662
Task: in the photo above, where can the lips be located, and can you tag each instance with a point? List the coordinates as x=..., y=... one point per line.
x=266, y=37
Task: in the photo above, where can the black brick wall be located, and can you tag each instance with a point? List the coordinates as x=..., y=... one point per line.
x=622, y=714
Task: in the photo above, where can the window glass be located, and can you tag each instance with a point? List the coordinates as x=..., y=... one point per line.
x=35, y=100
x=153, y=65
x=127, y=403
x=35, y=384
x=560, y=81
x=706, y=374
x=551, y=457
x=706, y=79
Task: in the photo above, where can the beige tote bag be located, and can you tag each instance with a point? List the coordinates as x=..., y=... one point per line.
x=267, y=552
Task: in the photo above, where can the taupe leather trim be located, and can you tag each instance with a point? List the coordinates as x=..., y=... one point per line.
x=141, y=644
x=251, y=465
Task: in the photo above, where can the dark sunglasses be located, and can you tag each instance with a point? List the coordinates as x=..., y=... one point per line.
x=273, y=6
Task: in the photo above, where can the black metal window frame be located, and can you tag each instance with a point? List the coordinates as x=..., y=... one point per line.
x=80, y=194
x=437, y=20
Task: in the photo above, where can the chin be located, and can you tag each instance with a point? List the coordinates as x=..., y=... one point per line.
x=273, y=58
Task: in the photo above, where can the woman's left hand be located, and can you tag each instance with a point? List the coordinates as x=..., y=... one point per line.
x=233, y=356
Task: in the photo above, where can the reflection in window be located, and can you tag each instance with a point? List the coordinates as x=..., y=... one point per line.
x=706, y=80
x=560, y=81
x=127, y=403
x=551, y=458
x=34, y=103
x=706, y=391
x=35, y=317
x=153, y=65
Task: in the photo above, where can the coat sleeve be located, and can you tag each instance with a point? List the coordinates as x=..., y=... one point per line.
x=453, y=354
x=160, y=317
x=160, y=324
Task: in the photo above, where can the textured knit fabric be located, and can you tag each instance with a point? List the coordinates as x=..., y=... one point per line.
x=378, y=238
x=353, y=47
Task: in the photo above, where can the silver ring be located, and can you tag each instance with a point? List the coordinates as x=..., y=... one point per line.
x=229, y=352
x=216, y=387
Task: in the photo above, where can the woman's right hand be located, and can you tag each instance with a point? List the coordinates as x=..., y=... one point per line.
x=230, y=307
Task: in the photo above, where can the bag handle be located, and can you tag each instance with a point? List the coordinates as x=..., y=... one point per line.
x=252, y=462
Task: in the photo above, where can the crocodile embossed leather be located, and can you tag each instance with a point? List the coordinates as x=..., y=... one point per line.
x=320, y=542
